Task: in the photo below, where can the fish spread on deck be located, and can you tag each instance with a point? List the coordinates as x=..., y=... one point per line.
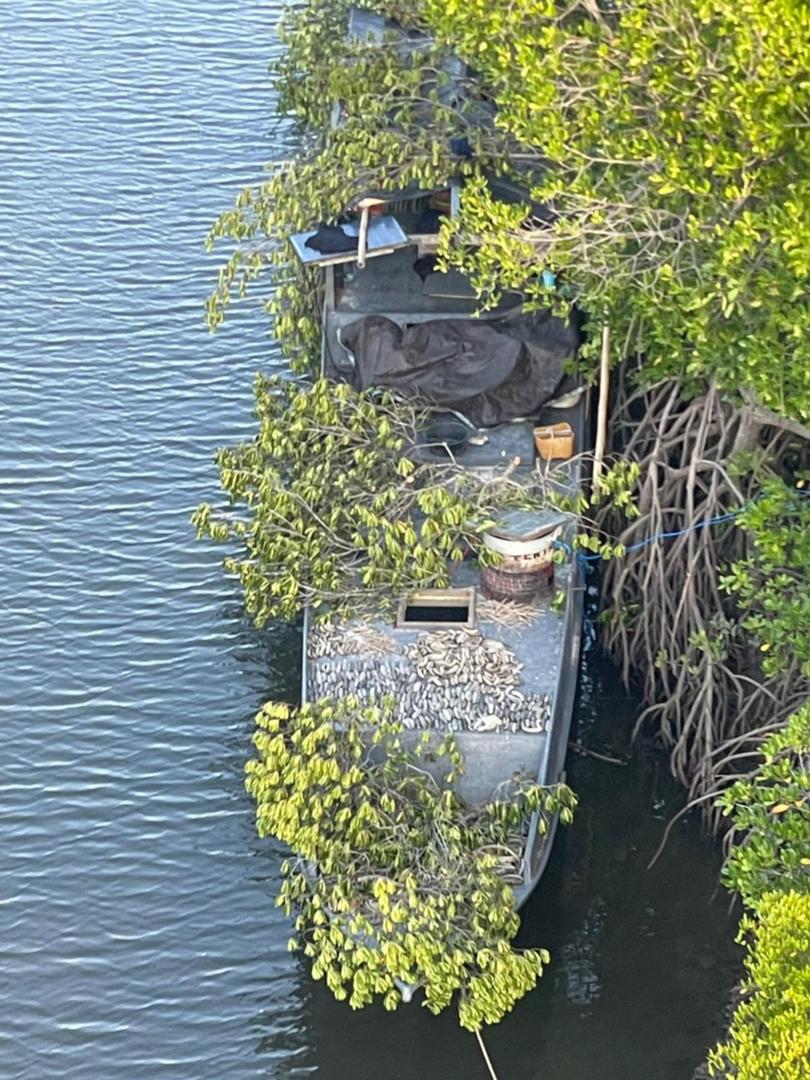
x=448, y=680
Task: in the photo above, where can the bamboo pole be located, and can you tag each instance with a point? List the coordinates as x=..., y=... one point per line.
x=602, y=410
x=490, y=1066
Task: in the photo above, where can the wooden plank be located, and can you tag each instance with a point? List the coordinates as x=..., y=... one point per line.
x=426, y=243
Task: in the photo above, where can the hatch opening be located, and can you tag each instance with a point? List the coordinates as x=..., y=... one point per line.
x=437, y=607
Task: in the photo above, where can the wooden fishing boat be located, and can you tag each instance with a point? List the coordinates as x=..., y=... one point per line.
x=494, y=658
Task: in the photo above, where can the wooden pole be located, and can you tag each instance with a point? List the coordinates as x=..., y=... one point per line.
x=362, y=239
x=602, y=410
x=365, y=207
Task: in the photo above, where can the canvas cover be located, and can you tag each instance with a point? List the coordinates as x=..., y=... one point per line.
x=492, y=371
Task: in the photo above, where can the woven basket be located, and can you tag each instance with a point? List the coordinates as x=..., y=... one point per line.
x=554, y=441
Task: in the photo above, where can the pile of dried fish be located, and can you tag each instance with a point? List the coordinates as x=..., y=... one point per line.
x=433, y=704
x=365, y=679
x=448, y=680
x=454, y=657
x=471, y=707
x=340, y=639
x=513, y=711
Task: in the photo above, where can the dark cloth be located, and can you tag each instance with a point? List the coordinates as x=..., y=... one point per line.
x=425, y=265
x=531, y=384
x=331, y=240
x=492, y=371
x=441, y=360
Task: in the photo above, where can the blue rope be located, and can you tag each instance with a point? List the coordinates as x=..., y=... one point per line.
x=719, y=520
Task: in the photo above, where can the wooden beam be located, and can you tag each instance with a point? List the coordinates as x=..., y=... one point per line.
x=602, y=410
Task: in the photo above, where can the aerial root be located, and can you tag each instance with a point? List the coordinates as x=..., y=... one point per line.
x=666, y=619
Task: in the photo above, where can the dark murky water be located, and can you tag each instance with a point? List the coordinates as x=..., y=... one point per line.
x=138, y=937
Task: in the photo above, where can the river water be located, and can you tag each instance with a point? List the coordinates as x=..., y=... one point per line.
x=138, y=936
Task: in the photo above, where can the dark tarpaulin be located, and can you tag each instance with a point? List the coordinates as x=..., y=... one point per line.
x=331, y=240
x=492, y=371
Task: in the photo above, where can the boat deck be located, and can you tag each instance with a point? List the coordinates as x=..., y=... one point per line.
x=501, y=686
x=493, y=685
x=516, y=440
x=504, y=687
x=534, y=638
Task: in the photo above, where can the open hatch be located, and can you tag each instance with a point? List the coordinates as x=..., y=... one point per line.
x=436, y=608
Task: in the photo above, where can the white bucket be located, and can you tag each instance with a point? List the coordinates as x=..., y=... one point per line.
x=538, y=545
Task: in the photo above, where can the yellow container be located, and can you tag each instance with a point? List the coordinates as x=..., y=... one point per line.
x=554, y=441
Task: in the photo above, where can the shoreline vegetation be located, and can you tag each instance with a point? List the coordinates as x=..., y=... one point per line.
x=663, y=153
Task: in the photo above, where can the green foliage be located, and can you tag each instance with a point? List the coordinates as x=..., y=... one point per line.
x=394, y=881
x=772, y=583
x=771, y=811
x=383, y=142
x=671, y=141
x=770, y=1032
x=770, y=868
x=323, y=501
x=332, y=510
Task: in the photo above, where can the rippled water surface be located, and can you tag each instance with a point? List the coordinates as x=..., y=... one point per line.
x=138, y=937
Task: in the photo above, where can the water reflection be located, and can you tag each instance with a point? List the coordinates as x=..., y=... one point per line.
x=578, y=977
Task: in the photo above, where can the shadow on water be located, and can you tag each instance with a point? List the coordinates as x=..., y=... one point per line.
x=642, y=960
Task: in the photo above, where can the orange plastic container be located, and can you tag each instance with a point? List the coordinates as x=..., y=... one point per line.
x=554, y=441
